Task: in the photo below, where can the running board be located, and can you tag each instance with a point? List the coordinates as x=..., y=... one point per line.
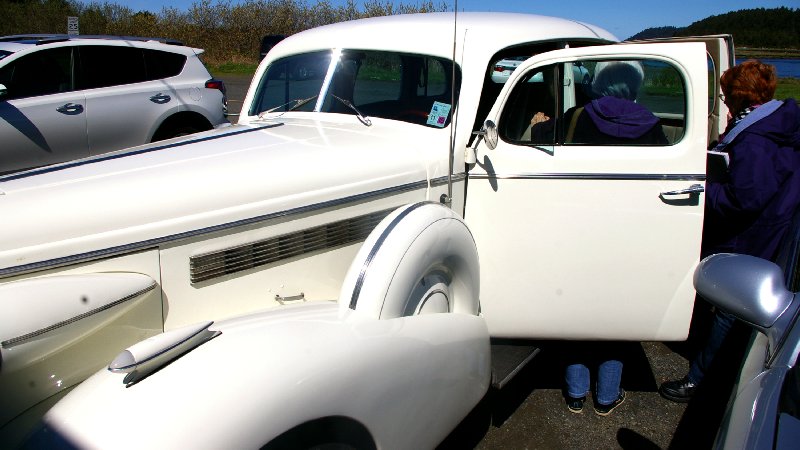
x=508, y=358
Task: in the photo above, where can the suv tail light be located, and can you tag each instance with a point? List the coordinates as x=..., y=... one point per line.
x=216, y=84
x=219, y=85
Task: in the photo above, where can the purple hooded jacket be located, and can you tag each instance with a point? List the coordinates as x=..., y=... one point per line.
x=612, y=120
x=750, y=213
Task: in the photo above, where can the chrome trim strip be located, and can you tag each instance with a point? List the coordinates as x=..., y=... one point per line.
x=103, y=253
x=21, y=339
x=374, y=250
x=85, y=161
x=592, y=176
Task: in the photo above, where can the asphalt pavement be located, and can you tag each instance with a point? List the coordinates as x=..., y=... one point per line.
x=236, y=89
x=530, y=412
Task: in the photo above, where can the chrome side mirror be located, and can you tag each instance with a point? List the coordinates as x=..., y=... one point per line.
x=490, y=134
x=750, y=288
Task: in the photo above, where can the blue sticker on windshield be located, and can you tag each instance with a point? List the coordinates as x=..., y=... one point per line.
x=438, y=115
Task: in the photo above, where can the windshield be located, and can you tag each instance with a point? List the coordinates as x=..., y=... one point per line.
x=399, y=86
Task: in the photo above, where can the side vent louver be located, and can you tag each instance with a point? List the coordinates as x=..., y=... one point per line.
x=236, y=259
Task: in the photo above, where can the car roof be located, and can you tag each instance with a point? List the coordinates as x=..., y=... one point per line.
x=19, y=42
x=48, y=38
x=434, y=33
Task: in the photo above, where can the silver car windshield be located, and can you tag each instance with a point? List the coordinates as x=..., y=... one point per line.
x=400, y=86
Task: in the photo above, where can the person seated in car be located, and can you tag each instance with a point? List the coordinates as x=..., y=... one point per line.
x=613, y=117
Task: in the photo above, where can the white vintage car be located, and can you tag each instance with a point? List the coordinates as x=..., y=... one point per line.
x=238, y=254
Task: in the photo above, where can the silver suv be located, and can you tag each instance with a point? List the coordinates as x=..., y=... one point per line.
x=63, y=98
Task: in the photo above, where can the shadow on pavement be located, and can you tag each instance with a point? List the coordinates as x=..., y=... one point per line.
x=546, y=372
x=629, y=439
x=703, y=415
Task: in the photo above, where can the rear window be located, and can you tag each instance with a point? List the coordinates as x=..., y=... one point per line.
x=105, y=66
x=160, y=64
x=4, y=53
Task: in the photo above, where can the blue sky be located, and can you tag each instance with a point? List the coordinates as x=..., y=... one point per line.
x=624, y=18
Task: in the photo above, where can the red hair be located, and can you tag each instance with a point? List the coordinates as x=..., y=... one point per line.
x=748, y=84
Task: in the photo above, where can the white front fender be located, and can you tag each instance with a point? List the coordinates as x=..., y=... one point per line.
x=408, y=380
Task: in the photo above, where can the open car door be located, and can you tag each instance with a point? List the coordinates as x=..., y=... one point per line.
x=721, y=57
x=582, y=237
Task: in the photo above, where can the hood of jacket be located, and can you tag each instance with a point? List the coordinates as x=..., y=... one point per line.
x=620, y=118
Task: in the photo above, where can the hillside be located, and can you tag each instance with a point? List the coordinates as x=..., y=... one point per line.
x=777, y=28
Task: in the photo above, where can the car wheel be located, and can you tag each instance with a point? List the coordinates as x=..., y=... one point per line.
x=332, y=433
x=420, y=259
x=184, y=130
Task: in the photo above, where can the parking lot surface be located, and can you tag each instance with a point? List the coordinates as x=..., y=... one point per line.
x=530, y=412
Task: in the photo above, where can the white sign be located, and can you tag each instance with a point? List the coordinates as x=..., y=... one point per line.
x=72, y=26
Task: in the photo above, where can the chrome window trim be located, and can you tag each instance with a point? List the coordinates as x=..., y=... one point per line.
x=592, y=176
x=25, y=337
x=151, y=243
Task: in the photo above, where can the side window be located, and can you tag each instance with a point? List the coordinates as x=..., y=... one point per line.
x=41, y=73
x=378, y=78
x=104, y=66
x=399, y=86
x=160, y=64
x=610, y=102
x=534, y=100
x=297, y=77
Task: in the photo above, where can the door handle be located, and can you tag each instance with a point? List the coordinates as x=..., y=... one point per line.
x=70, y=109
x=281, y=299
x=693, y=189
x=160, y=98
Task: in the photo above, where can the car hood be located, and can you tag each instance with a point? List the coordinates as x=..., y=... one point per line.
x=225, y=176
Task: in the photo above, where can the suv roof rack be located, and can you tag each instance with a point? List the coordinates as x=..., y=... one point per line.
x=40, y=39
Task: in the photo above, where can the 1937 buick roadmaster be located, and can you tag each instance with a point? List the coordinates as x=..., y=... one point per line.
x=348, y=132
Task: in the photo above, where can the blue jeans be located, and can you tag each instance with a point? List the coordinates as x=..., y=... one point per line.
x=609, y=375
x=720, y=326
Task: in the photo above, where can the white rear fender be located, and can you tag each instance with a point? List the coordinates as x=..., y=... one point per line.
x=420, y=259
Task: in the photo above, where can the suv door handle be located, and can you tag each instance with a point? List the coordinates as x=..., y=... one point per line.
x=693, y=189
x=70, y=109
x=160, y=98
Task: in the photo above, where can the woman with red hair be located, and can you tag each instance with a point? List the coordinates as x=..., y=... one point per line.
x=750, y=209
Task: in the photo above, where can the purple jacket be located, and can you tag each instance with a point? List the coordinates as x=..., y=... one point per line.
x=750, y=213
x=610, y=120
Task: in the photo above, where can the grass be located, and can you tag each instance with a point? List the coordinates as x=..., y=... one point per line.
x=788, y=87
x=232, y=68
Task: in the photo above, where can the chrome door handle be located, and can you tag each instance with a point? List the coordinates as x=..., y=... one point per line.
x=160, y=98
x=70, y=109
x=280, y=299
x=693, y=189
